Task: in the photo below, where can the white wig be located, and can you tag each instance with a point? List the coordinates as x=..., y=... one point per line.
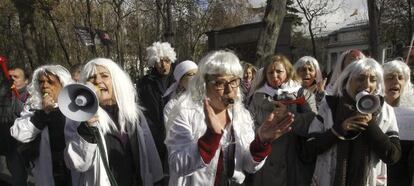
x=339, y=67
x=159, y=50
x=123, y=89
x=355, y=69
x=36, y=97
x=407, y=93
x=218, y=62
x=308, y=60
x=215, y=63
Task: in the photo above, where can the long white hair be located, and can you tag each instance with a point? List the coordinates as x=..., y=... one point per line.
x=356, y=68
x=309, y=60
x=407, y=94
x=124, y=91
x=36, y=97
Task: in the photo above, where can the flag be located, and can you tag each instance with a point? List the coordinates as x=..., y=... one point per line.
x=85, y=35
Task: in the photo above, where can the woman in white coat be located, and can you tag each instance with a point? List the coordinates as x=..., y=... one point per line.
x=348, y=141
x=211, y=140
x=183, y=73
x=127, y=155
x=400, y=95
x=41, y=122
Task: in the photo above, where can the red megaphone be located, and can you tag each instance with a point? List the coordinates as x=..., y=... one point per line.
x=299, y=101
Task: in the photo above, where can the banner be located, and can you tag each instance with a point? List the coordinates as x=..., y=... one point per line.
x=405, y=118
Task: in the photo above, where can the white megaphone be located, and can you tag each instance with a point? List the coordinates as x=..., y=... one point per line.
x=78, y=102
x=367, y=103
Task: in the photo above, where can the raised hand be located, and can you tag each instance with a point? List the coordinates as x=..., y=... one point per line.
x=48, y=103
x=275, y=126
x=212, y=119
x=321, y=85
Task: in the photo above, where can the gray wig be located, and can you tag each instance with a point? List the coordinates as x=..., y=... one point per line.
x=159, y=50
x=407, y=94
x=356, y=68
x=36, y=97
x=218, y=62
x=124, y=91
x=308, y=60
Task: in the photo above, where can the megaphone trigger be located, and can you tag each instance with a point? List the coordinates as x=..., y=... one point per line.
x=78, y=102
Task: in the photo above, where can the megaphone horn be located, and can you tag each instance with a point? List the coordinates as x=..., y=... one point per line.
x=367, y=103
x=78, y=102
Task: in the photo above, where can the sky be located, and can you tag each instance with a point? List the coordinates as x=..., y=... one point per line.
x=339, y=19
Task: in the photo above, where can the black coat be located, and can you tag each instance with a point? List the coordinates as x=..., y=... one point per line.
x=150, y=89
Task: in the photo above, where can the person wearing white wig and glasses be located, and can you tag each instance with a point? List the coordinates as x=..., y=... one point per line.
x=115, y=147
x=211, y=140
x=151, y=89
x=399, y=93
x=183, y=73
x=349, y=142
x=42, y=122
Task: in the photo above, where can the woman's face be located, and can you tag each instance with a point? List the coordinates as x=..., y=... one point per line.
x=50, y=85
x=102, y=80
x=308, y=74
x=276, y=74
x=394, y=86
x=365, y=81
x=186, y=78
x=248, y=74
x=222, y=88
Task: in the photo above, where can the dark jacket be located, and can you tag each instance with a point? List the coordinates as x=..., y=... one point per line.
x=150, y=91
x=10, y=108
x=355, y=159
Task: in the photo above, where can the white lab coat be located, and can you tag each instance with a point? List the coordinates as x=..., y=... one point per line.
x=24, y=131
x=187, y=166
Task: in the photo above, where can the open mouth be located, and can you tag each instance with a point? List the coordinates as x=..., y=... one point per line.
x=394, y=89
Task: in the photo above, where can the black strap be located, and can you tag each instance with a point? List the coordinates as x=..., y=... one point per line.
x=103, y=157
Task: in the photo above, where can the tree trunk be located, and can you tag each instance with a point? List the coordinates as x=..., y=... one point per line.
x=60, y=39
x=410, y=20
x=273, y=19
x=169, y=26
x=312, y=39
x=373, y=28
x=28, y=30
x=90, y=26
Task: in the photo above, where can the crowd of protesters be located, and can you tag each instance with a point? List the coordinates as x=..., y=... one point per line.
x=218, y=121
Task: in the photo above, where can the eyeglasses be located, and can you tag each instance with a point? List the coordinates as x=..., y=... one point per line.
x=220, y=85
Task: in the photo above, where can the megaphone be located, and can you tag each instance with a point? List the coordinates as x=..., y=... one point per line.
x=78, y=102
x=367, y=103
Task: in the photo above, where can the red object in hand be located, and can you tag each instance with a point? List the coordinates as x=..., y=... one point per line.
x=300, y=101
x=3, y=61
